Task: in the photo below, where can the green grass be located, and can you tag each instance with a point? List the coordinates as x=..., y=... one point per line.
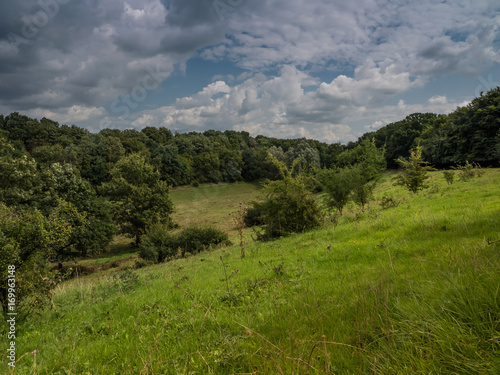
x=409, y=289
x=212, y=204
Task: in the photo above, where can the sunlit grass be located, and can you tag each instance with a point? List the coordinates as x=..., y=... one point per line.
x=212, y=204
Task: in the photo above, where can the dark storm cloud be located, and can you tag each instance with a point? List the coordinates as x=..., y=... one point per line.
x=68, y=52
x=191, y=13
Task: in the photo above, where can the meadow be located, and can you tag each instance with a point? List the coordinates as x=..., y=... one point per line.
x=411, y=284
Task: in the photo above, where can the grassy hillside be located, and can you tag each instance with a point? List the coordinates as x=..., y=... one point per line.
x=413, y=288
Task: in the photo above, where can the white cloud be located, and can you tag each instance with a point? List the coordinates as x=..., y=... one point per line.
x=71, y=115
x=279, y=107
x=371, y=83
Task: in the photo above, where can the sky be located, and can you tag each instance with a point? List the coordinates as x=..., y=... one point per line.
x=330, y=70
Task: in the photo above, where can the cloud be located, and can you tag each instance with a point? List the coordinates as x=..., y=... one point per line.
x=70, y=115
x=87, y=54
x=278, y=106
x=371, y=83
x=425, y=37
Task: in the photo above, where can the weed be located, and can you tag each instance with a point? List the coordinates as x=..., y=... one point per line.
x=389, y=201
x=469, y=171
x=449, y=176
x=124, y=281
x=239, y=218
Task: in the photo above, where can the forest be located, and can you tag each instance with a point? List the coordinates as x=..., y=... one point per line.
x=66, y=192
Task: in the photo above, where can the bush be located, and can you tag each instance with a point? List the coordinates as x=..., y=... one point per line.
x=157, y=244
x=196, y=239
x=414, y=174
x=338, y=185
x=469, y=171
x=253, y=216
x=288, y=206
x=449, y=176
x=388, y=201
x=466, y=171
x=195, y=184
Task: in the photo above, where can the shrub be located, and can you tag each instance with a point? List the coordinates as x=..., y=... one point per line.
x=466, y=171
x=157, y=244
x=196, y=239
x=449, y=176
x=195, y=184
x=253, y=216
x=125, y=281
x=288, y=207
x=478, y=170
x=338, y=185
x=389, y=201
x=469, y=171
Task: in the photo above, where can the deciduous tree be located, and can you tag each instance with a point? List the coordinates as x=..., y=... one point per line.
x=140, y=198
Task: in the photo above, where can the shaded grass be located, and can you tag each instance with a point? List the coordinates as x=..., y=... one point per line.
x=414, y=288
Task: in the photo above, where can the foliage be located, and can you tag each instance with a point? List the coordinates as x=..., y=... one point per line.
x=389, y=201
x=64, y=182
x=367, y=157
x=256, y=165
x=159, y=245
x=140, y=198
x=399, y=137
x=449, y=176
x=469, y=171
x=469, y=133
x=253, y=216
x=196, y=239
x=288, y=206
x=338, y=185
x=49, y=154
x=363, y=187
x=361, y=167
x=308, y=155
x=414, y=172
x=207, y=167
x=173, y=168
x=28, y=240
x=19, y=175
